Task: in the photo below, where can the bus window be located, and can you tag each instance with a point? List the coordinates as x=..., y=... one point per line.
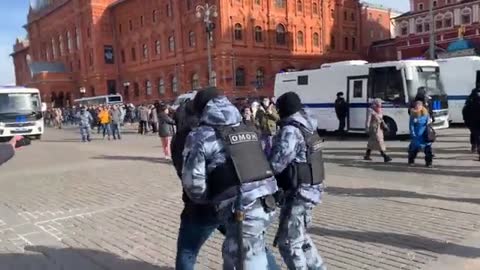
x=303, y=80
x=387, y=84
x=358, y=89
x=114, y=99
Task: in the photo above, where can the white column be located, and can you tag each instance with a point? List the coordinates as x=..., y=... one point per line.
x=456, y=17
x=475, y=13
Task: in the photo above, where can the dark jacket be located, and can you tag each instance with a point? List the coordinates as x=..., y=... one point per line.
x=165, y=125
x=341, y=108
x=471, y=111
x=6, y=152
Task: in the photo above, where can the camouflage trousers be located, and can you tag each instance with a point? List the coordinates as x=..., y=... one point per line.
x=296, y=247
x=85, y=132
x=255, y=224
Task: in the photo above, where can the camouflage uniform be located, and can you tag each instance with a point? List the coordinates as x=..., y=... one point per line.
x=203, y=153
x=296, y=247
x=85, y=118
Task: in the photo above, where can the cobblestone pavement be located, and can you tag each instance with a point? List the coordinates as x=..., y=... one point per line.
x=116, y=204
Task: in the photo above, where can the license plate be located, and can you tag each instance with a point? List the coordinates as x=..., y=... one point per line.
x=21, y=130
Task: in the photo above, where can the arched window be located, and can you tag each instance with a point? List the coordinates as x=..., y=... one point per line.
x=158, y=47
x=69, y=42
x=300, y=39
x=280, y=35
x=240, y=77
x=447, y=20
x=238, y=32
x=171, y=44
x=54, y=48
x=195, y=81
x=191, y=39
x=260, y=78
x=174, y=83
x=258, y=34
x=213, y=79
x=77, y=38
x=316, y=40
x=315, y=8
x=145, y=51
x=148, y=88
x=154, y=16
x=136, y=89
x=419, y=25
x=404, y=28
x=439, y=22
x=60, y=45
x=466, y=16
x=161, y=86
x=299, y=6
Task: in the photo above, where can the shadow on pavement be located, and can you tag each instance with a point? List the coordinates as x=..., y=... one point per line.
x=388, y=193
x=135, y=158
x=402, y=241
x=42, y=257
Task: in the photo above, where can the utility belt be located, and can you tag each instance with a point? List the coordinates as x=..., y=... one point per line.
x=297, y=174
x=268, y=202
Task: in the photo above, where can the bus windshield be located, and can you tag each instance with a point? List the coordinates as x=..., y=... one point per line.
x=427, y=82
x=20, y=103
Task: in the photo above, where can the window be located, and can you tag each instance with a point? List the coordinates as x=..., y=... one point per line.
x=387, y=84
x=258, y=34
x=169, y=10
x=213, y=79
x=280, y=3
x=136, y=89
x=122, y=56
x=354, y=42
x=69, y=42
x=420, y=6
x=316, y=40
x=466, y=16
x=345, y=44
x=332, y=42
x=154, y=16
x=280, y=35
x=427, y=24
x=90, y=57
x=77, y=38
x=315, y=8
x=157, y=47
x=260, y=78
x=404, y=28
x=300, y=40
x=358, y=89
x=435, y=3
x=240, y=77
x=438, y=22
x=381, y=35
x=60, y=45
x=189, y=4
x=447, y=23
x=145, y=51
x=161, y=86
x=258, y=2
x=171, y=44
x=352, y=17
x=195, y=81
x=130, y=25
x=299, y=6
x=120, y=28
x=238, y=32
x=419, y=28
x=88, y=32
x=148, y=88
x=191, y=39
x=302, y=80
x=134, y=54
x=174, y=84
x=372, y=33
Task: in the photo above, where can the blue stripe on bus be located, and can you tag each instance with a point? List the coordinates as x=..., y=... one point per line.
x=459, y=97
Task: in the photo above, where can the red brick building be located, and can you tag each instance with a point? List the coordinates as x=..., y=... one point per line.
x=156, y=49
x=451, y=20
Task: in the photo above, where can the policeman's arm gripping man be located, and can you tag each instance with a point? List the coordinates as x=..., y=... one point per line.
x=195, y=168
x=284, y=148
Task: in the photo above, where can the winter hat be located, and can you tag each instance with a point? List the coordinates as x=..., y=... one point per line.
x=203, y=97
x=288, y=104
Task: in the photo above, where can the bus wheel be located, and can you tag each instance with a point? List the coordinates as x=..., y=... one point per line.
x=391, y=133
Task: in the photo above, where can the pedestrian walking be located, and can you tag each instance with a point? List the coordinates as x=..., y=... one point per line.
x=104, y=118
x=267, y=118
x=153, y=118
x=375, y=127
x=143, y=114
x=419, y=129
x=224, y=165
x=116, y=115
x=299, y=168
x=165, y=130
x=341, y=110
x=471, y=116
x=85, y=119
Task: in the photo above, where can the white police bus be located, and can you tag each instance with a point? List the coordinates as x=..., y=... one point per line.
x=21, y=112
x=99, y=100
x=396, y=83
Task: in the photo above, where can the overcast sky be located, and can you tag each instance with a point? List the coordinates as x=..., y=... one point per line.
x=13, y=14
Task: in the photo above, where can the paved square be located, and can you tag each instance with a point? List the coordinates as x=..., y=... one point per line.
x=116, y=205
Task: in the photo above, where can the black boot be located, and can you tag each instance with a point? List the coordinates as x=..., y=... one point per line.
x=367, y=155
x=386, y=158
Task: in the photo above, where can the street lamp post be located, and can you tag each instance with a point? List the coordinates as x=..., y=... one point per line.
x=432, y=32
x=208, y=12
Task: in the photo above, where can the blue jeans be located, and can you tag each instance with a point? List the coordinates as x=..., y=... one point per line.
x=116, y=131
x=106, y=130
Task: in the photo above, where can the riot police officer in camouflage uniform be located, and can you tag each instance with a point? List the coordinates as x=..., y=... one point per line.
x=224, y=165
x=298, y=164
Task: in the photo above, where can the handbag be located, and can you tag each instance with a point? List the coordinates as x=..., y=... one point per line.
x=431, y=134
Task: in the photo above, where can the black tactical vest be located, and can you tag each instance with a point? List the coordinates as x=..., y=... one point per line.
x=245, y=163
x=311, y=172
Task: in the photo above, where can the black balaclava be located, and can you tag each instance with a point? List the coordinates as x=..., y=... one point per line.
x=289, y=104
x=203, y=97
